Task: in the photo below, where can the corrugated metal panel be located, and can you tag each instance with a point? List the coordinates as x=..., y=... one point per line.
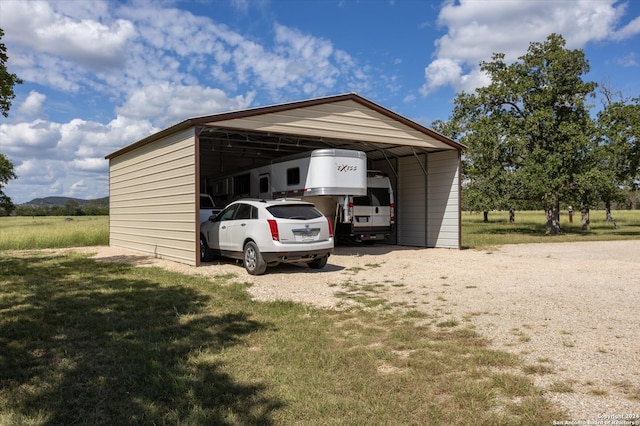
x=411, y=202
x=346, y=120
x=443, y=213
x=153, y=198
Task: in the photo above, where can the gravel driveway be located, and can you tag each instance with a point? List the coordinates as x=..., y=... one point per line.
x=571, y=310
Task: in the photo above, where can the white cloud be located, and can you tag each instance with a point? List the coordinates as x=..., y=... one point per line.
x=629, y=30
x=51, y=157
x=32, y=105
x=441, y=72
x=40, y=28
x=298, y=62
x=36, y=139
x=38, y=172
x=309, y=59
x=409, y=98
x=167, y=103
x=77, y=189
x=628, y=60
x=476, y=30
x=91, y=164
x=120, y=51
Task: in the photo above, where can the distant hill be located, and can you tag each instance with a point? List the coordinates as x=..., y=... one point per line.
x=62, y=201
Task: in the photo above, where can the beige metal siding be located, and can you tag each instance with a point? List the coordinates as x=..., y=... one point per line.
x=411, y=202
x=443, y=213
x=338, y=120
x=153, y=199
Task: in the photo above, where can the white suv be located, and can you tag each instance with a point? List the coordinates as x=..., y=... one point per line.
x=265, y=233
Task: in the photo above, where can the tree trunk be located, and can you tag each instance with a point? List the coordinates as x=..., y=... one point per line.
x=607, y=208
x=585, y=218
x=486, y=216
x=552, y=213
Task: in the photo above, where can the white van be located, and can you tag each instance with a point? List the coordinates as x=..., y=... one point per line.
x=374, y=214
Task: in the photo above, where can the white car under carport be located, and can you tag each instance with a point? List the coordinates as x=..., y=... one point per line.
x=265, y=233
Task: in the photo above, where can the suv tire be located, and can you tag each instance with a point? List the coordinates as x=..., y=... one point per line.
x=205, y=252
x=318, y=262
x=253, y=261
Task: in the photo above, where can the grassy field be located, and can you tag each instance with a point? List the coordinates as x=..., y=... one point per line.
x=25, y=232
x=83, y=342
x=529, y=227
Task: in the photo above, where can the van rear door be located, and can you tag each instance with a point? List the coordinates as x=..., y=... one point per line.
x=372, y=213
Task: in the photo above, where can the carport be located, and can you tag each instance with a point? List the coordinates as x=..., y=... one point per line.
x=155, y=183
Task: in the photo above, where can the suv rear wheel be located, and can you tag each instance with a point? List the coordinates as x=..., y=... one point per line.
x=253, y=261
x=318, y=262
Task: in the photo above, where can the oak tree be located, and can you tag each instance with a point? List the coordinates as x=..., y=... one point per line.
x=7, y=82
x=529, y=133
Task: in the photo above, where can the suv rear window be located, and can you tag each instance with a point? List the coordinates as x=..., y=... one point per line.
x=294, y=211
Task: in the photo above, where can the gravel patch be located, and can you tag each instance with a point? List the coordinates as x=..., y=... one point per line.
x=569, y=309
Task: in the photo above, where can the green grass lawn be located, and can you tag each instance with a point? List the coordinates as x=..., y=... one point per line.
x=83, y=342
x=530, y=227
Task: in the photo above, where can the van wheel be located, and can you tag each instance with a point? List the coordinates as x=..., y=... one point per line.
x=318, y=262
x=205, y=251
x=253, y=261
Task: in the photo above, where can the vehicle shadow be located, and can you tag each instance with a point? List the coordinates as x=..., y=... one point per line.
x=282, y=268
x=82, y=342
x=343, y=249
x=373, y=249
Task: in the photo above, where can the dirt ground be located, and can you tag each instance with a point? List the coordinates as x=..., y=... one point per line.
x=571, y=309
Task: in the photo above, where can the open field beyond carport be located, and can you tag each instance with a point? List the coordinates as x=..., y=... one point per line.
x=515, y=334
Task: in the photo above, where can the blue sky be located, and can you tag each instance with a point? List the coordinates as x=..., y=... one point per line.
x=99, y=75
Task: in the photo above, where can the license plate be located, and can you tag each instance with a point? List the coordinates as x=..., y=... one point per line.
x=306, y=235
x=362, y=218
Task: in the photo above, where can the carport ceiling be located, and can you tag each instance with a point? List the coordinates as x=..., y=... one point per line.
x=265, y=147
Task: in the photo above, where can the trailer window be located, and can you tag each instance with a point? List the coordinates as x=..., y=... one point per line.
x=264, y=184
x=293, y=176
x=242, y=184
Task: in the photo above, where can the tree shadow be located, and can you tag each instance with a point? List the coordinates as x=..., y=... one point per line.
x=83, y=342
x=506, y=228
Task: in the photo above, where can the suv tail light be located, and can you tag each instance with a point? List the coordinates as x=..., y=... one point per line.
x=392, y=212
x=330, y=228
x=273, y=227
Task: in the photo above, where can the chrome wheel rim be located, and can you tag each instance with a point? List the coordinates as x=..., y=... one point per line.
x=250, y=258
